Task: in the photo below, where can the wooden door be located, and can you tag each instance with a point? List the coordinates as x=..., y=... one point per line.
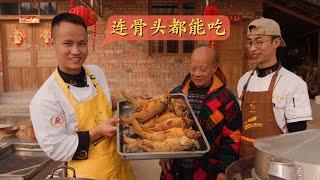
x=18, y=60
x=28, y=65
x=44, y=53
x=231, y=55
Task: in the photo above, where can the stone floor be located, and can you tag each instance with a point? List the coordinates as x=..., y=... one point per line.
x=146, y=169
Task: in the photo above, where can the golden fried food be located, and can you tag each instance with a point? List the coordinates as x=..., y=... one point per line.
x=170, y=144
x=160, y=119
x=162, y=135
x=178, y=122
x=161, y=125
x=135, y=102
x=179, y=107
x=150, y=110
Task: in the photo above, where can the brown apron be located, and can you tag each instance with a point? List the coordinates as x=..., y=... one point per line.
x=258, y=116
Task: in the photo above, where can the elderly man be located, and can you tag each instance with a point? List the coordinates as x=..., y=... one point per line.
x=219, y=115
x=72, y=109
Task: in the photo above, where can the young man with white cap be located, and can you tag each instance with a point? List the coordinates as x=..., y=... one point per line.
x=273, y=99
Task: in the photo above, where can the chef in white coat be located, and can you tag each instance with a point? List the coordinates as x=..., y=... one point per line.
x=273, y=100
x=72, y=109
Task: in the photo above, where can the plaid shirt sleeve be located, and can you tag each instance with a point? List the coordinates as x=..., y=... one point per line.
x=224, y=135
x=230, y=136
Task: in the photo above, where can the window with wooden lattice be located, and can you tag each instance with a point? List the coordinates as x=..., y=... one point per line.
x=171, y=8
x=28, y=7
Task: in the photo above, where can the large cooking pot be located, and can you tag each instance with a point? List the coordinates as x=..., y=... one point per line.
x=66, y=178
x=240, y=169
x=293, y=156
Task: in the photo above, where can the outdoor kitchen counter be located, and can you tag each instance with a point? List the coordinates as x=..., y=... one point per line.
x=45, y=170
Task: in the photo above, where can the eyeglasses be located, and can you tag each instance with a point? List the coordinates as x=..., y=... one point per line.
x=257, y=44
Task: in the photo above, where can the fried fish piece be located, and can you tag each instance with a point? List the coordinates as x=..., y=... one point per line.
x=150, y=110
x=135, y=102
x=169, y=144
x=162, y=135
x=153, y=122
x=178, y=122
x=179, y=107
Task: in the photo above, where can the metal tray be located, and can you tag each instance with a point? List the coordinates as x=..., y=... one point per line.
x=21, y=161
x=124, y=109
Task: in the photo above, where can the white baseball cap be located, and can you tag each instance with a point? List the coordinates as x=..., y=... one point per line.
x=265, y=26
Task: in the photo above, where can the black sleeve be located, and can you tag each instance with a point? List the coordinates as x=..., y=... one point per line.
x=297, y=126
x=83, y=146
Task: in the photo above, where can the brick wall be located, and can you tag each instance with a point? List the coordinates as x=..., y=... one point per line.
x=127, y=64
x=1, y=70
x=240, y=7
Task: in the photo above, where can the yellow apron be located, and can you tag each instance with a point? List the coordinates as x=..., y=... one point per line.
x=103, y=160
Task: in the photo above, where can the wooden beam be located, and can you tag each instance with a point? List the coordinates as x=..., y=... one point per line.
x=316, y=15
x=1, y=63
x=318, y=50
x=150, y=42
x=99, y=7
x=292, y=12
x=180, y=43
x=311, y=32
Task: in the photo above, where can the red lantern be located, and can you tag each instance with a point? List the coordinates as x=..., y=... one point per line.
x=71, y=4
x=89, y=17
x=211, y=10
x=213, y=45
x=87, y=14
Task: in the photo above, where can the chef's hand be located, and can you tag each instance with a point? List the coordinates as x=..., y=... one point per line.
x=221, y=176
x=165, y=165
x=109, y=127
x=104, y=130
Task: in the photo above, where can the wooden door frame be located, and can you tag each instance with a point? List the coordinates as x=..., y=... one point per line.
x=37, y=49
x=4, y=61
x=245, y=66
x=1, y=63
x=34, y=59
x=3, y=54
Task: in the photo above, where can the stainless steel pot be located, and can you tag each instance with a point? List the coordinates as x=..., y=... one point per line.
x=69, y=178
x=293, y=156
x=240, y=169
x=282, y=169
x=66, y=178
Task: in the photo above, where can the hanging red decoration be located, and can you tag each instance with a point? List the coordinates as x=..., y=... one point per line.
x=212, y=44
x=211, y=10
x=71, y=4
x=235, y=18
x=87, y=14
x=89, y=17
x=45, y=36
x=17, y=37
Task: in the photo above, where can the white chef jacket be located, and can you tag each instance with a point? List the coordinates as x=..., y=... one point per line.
x=290, y=96
x=60, y=140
